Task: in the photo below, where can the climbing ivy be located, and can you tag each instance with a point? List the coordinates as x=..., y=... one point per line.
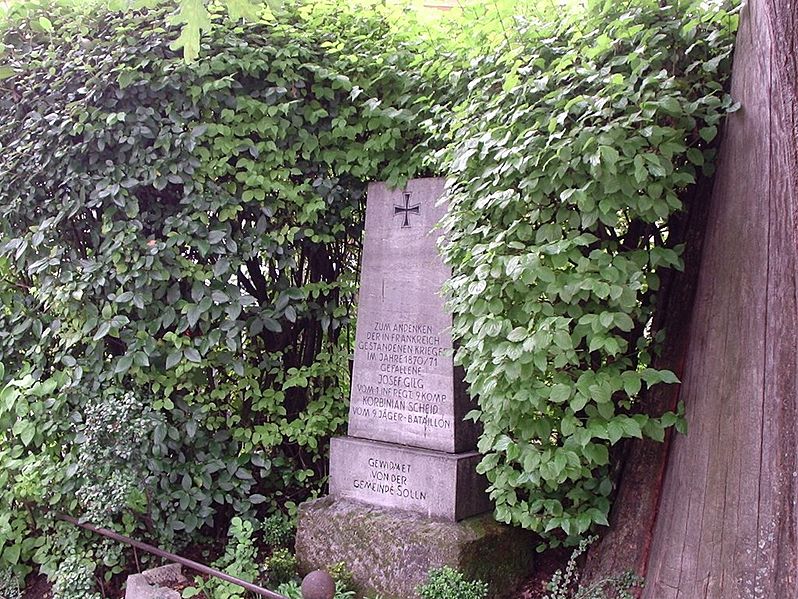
x=572, y=152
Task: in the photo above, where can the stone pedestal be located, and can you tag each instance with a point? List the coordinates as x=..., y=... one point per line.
x=389, y=552
x=435, y=484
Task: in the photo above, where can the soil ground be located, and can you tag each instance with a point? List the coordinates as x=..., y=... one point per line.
x=545, y=567
x=37, y=588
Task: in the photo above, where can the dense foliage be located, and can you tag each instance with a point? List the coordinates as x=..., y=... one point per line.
x=179, y=246
x=572, y=153
x=447, y=583
x=178, y=254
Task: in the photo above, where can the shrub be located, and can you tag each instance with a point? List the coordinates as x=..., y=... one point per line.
x=293, y=590
x=179, y=245
x=239, y=560
x=448, y=583
x=75, y=579
x=344, y=579
x=280, y=566
x=278, y=531
x=575, y=153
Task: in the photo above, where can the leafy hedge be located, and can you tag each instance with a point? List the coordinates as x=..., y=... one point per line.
x=179, y=248
x=178, y=254
x=573, y=152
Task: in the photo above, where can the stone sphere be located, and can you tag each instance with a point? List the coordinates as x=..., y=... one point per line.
x=318, y=585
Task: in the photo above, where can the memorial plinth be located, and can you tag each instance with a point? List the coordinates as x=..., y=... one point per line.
x=409, y=448
x=432, y=483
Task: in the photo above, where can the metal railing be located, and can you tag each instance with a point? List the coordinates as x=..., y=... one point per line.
x=188, y=563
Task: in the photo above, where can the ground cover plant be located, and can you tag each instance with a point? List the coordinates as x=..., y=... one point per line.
x=179, y=246
x=448, y=583
x=565, y=584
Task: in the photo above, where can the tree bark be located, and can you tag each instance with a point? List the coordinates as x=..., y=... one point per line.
x=722, y=522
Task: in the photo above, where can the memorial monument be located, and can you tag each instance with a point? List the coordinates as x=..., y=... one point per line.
x=405, y=496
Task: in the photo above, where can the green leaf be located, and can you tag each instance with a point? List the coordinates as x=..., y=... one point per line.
x=708, y=133
x=598, y=454
x=102, y=331
x=600, y=517
x=193, y=14
x=606, y=409
x=654, y=430
x=11, y=554
x=272, y=325
x=560, y=393
x=27, y=430
x=609, y=156
x=517, y=334
x=631, y=428
x=243, y=9
x=192, y=355
x=221, y=267
x=624, y=321
x=631, y=383
x=671, y=106
x=173, y=358
x=579, y=402
x=124, y=363
x=614, y=431
x=641, y=172
x=695, y=156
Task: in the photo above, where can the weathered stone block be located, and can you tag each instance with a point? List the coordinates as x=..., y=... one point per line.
x=433, y=483
x=152, y=584
x=390, y=552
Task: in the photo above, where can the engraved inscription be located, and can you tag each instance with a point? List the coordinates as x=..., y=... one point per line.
x=389, y=477
x=401, y=356
x=430, y=482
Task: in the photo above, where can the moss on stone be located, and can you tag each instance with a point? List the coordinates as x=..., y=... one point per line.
x=390, y=552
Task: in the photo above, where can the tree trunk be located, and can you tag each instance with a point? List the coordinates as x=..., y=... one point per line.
x=722, y=523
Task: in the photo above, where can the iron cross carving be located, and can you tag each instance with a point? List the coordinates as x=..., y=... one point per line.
x=407, y=209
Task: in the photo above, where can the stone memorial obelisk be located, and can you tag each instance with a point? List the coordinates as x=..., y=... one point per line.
x=405, y=496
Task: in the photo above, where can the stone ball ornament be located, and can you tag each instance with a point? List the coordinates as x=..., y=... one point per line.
x=318, y=585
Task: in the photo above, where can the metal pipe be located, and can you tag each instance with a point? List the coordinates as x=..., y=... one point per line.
x=201, y=568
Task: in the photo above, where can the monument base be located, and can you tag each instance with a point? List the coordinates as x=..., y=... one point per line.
x=432, y=483
x=390, y=552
